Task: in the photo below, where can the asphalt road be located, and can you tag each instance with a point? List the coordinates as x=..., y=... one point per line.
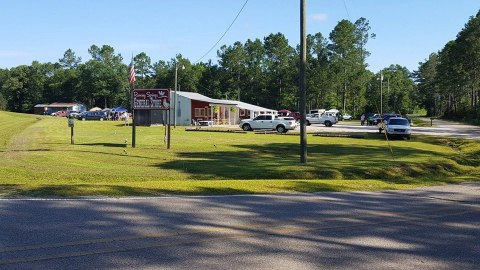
x=428, y=228
x=439, y=128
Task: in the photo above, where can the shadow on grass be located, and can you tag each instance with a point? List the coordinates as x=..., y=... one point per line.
x=26, y=150
x=332, y=161
x=105, y=144
x=107, y=190
x=89, y=190
x=310, y=186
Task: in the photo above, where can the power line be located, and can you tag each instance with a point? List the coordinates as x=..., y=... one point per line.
x=346, y=9
x=238, y=14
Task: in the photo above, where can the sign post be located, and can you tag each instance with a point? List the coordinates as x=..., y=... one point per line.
x=134, y=131
x=71, y=124
x=150, y=99
x=168, y=129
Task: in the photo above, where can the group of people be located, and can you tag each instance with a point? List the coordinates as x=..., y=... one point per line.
x=118, y=116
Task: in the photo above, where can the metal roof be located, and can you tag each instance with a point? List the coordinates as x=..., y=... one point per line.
x=251, y=107
x=239, y=104
x=200, y=97
x=58, y=105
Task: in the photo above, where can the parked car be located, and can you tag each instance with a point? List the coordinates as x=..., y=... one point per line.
x=284, y=112
x=347, y=117
x=373, y=120
x=297, y=116
x=289, y=119
x=324, y=119
x=92, y=116
x=73, y=114
x=280, y=124
x=61, y=113
x=398, y=127
x=387, y=116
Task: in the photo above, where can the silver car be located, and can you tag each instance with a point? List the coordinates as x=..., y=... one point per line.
x=398, y=127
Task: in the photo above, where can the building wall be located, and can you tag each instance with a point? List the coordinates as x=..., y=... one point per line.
x=203, y=110
x=55, y=107
x=184, y=113
x=183, y=117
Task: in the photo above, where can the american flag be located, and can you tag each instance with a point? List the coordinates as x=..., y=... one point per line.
x=132, y=73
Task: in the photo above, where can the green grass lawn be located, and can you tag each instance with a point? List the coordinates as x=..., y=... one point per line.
x=37, y=159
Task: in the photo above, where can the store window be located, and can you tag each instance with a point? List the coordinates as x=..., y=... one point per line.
x=200, y=112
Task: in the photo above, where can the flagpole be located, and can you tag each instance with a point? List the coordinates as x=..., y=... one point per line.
x=132, y=85
x=134, y=131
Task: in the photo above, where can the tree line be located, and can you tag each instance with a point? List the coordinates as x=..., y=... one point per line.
x=261, y=72
x=448, y=81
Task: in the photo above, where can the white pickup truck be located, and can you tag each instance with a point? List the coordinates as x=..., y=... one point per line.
x=324, y=119
x=280, y=124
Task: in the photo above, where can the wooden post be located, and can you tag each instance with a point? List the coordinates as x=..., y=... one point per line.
x=72, y=140
x=71, y=124
x=134, y=131
x=168, y=130
x=165, y=126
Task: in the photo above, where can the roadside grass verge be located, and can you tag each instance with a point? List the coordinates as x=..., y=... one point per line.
x=39, y=161
x=417, y=122
x=13, y=123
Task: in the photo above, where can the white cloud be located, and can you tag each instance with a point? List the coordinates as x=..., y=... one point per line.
x=320, y=17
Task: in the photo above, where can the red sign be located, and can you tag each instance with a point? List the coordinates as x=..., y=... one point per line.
x=151, y=99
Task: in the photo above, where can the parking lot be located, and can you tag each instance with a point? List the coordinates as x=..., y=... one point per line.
x=439, y=128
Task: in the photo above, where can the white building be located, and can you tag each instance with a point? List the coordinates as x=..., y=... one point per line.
x=193, y=107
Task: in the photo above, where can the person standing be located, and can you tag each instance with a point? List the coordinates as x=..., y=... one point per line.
x=362, y=119
x=125, y=116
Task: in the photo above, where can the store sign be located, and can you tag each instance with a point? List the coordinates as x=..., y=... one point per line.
x=151, y=99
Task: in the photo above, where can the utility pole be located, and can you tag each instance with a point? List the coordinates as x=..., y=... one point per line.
x=303, y=83
x=381, y=92
x=175, y=99
x=175, y=96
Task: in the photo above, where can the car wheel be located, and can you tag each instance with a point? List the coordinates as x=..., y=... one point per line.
x=328, y=123
x=408, y=137
x=83, y=119
x=246, y=127
x=281, y=129
x=308, y=123
x=101, y=119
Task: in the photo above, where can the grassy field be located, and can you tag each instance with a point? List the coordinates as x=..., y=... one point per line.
x=38, y=160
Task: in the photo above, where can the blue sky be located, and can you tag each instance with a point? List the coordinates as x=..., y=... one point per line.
x=407, y=30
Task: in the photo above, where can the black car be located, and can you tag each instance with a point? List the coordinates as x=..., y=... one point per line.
x=373, y=120
x=387, y=116
x=92, y=116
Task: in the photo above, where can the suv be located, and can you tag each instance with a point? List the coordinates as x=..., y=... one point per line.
x=324, y=119
x=398, y=127
x=373, y=119
x=92, y=116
